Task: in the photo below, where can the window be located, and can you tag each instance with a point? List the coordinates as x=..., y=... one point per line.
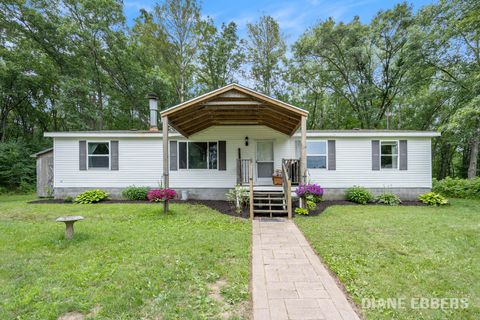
x=197, y=155
x=316, y=154
x=98, y=155
x=389, y=155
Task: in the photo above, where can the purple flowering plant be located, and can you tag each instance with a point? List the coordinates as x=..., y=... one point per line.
x=309, y=191
x=159, y=195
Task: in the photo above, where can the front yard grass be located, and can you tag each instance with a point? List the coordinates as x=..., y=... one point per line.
x=403, y=252
x=126, y=261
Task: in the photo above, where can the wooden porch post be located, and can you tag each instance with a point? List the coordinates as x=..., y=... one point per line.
x=165, y=158
x=303, y=149
x=250, y=186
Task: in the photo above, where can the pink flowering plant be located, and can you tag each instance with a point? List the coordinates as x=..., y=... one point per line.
x=310, y=192
x=160, y=195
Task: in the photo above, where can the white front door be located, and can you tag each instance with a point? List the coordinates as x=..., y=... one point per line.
x=264, y=161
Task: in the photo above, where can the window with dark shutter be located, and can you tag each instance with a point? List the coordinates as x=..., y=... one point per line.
x=199, y=155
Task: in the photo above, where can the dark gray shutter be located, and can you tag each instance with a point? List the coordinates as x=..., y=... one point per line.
x=375, y=154
x=332, y=156
x=114, y=155
x=82, y=155
x=173, y=155
x=403, y=155
x=222, y=155
x=182, y=155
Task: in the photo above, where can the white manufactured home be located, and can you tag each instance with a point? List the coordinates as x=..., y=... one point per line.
x=235, y=135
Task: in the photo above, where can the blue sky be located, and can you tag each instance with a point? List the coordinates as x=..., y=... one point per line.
x=294, y=16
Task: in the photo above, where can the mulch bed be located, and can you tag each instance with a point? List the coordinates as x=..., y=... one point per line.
x=225, y=207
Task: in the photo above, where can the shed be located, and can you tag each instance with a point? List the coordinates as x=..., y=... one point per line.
x=44, y=160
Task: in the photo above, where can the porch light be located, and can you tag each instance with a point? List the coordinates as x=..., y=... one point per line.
x=246, y=141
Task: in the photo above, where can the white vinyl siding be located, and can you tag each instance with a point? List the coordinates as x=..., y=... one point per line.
x=140, y=164
x=354, y=166
x=140, y=161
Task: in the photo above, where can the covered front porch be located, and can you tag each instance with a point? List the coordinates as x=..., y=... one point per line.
x=259, y=156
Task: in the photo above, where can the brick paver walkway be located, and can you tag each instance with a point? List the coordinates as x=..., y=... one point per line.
x=288, y=279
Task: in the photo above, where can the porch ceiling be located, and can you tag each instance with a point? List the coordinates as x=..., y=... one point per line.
x=233, y=105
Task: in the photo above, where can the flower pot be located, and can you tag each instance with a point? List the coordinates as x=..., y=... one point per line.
x=277, y=180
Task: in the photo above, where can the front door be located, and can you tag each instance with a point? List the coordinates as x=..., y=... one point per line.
x=265, y=162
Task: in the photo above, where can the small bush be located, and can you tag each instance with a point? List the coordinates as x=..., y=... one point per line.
x=68, y=199
x=359, y=195
x=301, y=211
x=389, y=199
x=311, y=205
x=26, y=187
x=458, y=188
x=160, y=195
x=91, y=196
x=238, y=197
x=433, y=199
x=135, y=193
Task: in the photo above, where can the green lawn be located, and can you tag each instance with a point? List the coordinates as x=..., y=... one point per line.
x=403, y=252
x=127, y=261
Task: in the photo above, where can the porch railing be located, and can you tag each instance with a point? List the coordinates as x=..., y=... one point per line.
x=243, y=168
x=293, y=169
x=287, y=188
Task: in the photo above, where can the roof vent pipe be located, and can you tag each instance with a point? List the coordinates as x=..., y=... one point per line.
x=152, y=101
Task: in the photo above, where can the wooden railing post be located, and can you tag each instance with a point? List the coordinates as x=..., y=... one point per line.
x=166, y=168
x=287, y=187
x=289, y=198
x=250, y=182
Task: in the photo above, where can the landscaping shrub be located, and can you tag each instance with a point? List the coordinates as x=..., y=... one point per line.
x=159, y=195
x=359, y=195
x=433, y=199
x=135, y=193
x=458, y=188
x=68, y=199
x=91, y=196
x=301, y=211
x=311, y=205
x=389, y=199
x=238, y=197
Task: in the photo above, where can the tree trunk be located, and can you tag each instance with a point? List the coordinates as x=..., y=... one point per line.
x=472, y=167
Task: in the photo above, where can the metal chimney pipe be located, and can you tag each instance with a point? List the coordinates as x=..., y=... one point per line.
x=152, y=101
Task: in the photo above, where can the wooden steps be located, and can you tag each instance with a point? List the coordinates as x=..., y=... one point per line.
x=271, y=202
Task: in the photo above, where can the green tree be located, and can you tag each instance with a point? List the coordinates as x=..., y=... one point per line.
x=362, y=65
x=266, y=53
x=221, y=55
x=180, y=22
x=452, y=47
